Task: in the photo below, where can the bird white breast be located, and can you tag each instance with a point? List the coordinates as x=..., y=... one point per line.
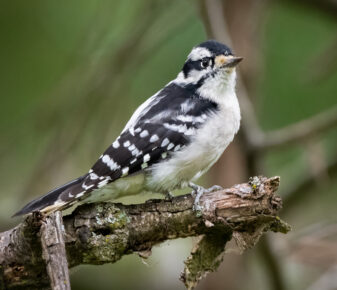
x=208, y=144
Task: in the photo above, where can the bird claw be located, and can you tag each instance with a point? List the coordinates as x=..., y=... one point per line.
x=213, y=188
x=198, y=209
x=198, y=191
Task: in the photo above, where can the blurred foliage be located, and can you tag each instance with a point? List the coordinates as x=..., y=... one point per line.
x=72, y=73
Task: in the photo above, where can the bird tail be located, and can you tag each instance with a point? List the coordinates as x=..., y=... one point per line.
x=51, y=201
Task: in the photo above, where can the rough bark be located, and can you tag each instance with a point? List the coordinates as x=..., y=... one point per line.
x=54, y=252
x=104, y=232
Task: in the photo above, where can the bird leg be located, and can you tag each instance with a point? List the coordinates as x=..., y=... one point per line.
x=198, y=191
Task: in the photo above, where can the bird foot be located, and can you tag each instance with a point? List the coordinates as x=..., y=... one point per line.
x=214, y=188
x=198, y=191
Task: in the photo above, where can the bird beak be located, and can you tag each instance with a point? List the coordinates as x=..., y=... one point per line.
x=227, y=61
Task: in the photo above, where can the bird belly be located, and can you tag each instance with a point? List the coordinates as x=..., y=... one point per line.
x=195, y=159
x=124, y=186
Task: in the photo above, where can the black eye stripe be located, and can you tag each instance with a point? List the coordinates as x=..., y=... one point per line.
x=191, y=65
x=197, y=65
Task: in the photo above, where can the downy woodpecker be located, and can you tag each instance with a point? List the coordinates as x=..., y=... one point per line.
x=171, y=139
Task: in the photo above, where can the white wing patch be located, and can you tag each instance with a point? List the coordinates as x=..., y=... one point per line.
x=146, y=158
x=125, y=171
x=180, y=128
x=154, y=138
x=165, y=142
x=115, y=144
x=144, y=134
x=192, y=119
x=110, y=163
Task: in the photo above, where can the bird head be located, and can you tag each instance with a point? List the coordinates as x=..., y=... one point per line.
x=210, y=60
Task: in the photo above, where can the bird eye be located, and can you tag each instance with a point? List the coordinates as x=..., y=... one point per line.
x=204, y=62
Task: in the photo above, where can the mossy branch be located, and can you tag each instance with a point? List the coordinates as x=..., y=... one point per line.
x=104, y=232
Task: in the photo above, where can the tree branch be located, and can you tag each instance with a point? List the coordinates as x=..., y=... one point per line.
x=104, y=232
x=54, y=252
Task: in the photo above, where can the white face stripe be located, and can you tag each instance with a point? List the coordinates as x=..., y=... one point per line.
x=193, y=76
x=199, y=53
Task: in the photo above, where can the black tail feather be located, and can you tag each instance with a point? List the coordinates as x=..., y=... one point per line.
x=47, y=199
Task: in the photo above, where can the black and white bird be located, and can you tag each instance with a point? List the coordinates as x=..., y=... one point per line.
x=171, y=139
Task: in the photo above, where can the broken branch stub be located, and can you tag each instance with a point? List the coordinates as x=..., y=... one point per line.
x=243, y=212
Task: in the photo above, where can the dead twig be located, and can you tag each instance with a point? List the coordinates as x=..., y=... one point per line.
x=54, y=252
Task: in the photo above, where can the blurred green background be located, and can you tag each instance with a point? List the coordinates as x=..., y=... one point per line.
x=72, y=73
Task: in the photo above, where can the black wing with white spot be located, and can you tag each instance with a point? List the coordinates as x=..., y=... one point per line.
x=166, y=127
x=167, y=123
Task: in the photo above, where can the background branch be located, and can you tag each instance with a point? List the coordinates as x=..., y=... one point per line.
x=298, y=132
x=305, y=184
